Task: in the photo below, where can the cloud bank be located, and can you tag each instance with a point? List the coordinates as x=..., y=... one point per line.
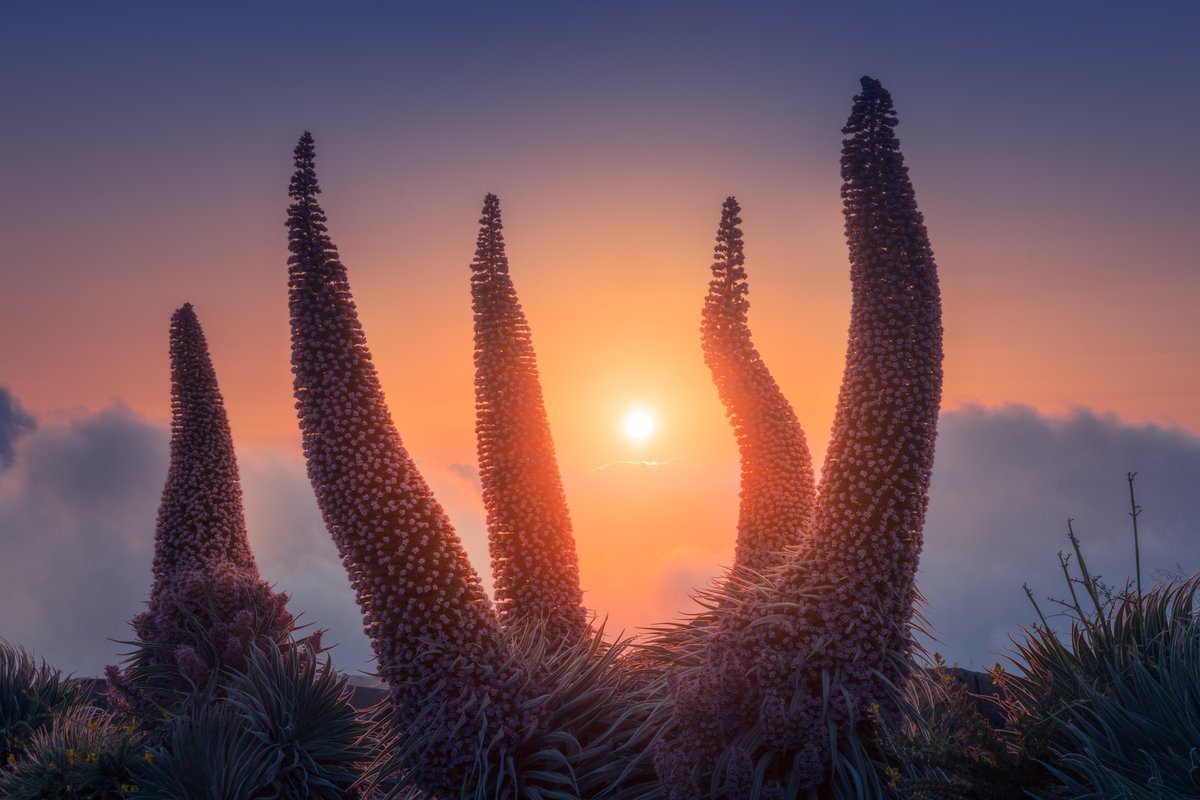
x=79, y=497
x=1006, y=480
x=14, y=421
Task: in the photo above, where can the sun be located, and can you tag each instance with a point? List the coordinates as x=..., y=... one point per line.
x=639, y=424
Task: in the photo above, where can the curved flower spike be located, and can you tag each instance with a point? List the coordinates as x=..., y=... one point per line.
x=875, y=486
x=778, y=492
x=534, y=565
x=437, y=641
x=799, y=655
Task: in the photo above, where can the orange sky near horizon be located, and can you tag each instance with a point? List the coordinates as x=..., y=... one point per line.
x=140, y=173
x=613, y=290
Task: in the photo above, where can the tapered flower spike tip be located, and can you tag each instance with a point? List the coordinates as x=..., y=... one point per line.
x=778, y=492
x=437, y=641
x=200, y=519
x=534, y=564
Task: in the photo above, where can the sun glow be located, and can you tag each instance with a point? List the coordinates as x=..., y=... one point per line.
x=639, y=425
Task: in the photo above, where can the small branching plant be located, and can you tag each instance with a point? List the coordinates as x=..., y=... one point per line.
x=1108, y=709
x=1113, y=710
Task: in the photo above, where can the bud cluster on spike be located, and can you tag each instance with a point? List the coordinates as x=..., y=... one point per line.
x=778, y=491
x=203, y=567
x=827, y=623
x=437, y=641
x=534, y=565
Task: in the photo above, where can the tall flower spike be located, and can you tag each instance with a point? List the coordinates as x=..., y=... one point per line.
x=875, y=488
x=200, y=519
x=801, y=652
x=437, y=641
x=778, y=491
x=534, y=565
x=204, y=571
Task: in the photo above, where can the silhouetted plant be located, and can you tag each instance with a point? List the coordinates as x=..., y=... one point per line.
x=84, y=754
x=31, y=693
x=778, y=492
x=437, y=640
x=534, y=566
x=802, y=656
x=281, y=727
x=206, y=584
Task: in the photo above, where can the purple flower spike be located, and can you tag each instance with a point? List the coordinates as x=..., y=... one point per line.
x=436, y=638
x=778, y=490
x=801, y=650
x=875, y=486
x=534, y=564
x=204, y=571
x=200, y=519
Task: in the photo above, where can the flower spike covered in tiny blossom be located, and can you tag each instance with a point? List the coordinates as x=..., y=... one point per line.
x=778, y=492
x=436, y=638
x=200, y=520
x=534, y=565
x=875, y=486
x=203, y=567
x=799, y=654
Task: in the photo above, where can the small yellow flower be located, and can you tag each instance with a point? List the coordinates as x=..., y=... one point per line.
x=147, y=756
x=93, y=725
x=893, y=777
x=92, y=756
x=70, y=755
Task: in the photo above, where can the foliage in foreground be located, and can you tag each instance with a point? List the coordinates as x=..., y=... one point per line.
x=1110, y=710
x=282, y=727
x=83, y=754
x=30, y=696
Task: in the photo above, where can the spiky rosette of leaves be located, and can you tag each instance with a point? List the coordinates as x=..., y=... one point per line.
x=778, y=492
x=83, y=753
x=31, y=694
x=604, y=710
x=203, y=568
x=534, y=565
x=436, y=638
x=799, y=661
x=282, y=727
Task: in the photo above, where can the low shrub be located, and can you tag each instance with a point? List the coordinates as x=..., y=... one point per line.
x=83, y=754
x=30, y=695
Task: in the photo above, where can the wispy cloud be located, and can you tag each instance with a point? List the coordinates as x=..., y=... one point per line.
x=626, y=462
